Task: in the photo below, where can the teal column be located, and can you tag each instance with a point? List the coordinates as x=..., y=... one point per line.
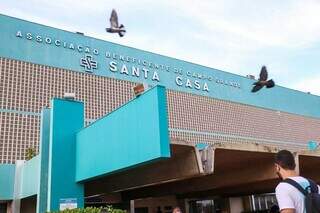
x=44, y=161
x=66, y=119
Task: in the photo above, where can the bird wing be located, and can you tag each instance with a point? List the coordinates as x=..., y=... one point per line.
x=256, y=88
x=114, y=19
x=263, y=74
x=270, y=84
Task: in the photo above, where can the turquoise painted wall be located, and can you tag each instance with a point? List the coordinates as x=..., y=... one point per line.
x=42, y=195
x=133, y=134
x=30, y=177
x=7, y=173
x=40, y=44
x=66, y=119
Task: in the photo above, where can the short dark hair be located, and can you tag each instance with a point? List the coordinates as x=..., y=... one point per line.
x=285, y=159
x=274, y=209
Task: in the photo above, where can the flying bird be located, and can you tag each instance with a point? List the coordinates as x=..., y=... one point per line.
x=114, y=25
x=263, y=81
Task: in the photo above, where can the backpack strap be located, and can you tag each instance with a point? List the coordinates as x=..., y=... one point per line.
x=313, y=186
x=296, y=185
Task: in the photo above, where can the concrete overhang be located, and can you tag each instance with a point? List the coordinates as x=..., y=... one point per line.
x=237, y=169
x=235, y=172
x=184, y=163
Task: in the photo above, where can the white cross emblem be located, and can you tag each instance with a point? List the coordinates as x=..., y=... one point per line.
x=88, y=63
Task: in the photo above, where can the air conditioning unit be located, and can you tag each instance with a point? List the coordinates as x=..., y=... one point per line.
x=69, y=95
x=139, y=89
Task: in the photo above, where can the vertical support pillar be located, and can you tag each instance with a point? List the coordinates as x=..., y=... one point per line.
x=17, y=187
x=131, y=206
x=9, y=207
x=66, y=119
x=187, y=206
x=236, y=204
x=42, y=195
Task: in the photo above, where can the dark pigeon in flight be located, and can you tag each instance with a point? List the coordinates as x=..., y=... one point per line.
x=114, y=25
x=263, y=81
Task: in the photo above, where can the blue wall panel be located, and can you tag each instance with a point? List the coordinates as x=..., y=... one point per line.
x=7, y=173
x=40, y=44
x=66, y=119
x=135, y=133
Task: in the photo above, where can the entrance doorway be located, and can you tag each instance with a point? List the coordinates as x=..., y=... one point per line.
x=155, y=204
x=215, y=205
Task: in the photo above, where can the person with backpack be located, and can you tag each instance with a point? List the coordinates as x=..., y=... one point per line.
x=295, y=194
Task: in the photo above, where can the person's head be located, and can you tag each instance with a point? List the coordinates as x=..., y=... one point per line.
x=284, y=162
x=274, y=209
x=176, y=210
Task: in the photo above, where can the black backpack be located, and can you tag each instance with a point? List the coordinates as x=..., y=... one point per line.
x=311, y=193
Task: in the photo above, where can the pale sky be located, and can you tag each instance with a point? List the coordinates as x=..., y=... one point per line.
x=230, y=35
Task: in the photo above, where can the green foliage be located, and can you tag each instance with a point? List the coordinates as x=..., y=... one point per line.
x=30, y=153
x=107, y=209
